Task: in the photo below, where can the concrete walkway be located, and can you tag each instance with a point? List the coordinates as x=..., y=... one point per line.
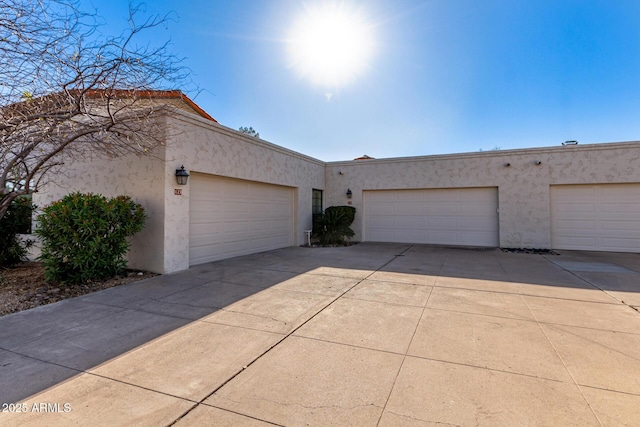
x=374, y=334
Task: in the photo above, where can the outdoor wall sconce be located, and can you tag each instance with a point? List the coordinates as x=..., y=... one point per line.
x=182, y=176
x=538, y=162
x=349, y=193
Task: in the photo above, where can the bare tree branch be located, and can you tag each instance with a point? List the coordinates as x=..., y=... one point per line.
x=68, y=92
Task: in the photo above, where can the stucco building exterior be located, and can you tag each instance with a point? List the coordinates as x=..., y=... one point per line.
x=247, y=195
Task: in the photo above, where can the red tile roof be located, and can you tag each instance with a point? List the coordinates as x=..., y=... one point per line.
x=153, y=94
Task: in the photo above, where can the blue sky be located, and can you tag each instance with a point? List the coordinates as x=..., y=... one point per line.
x=445, y=76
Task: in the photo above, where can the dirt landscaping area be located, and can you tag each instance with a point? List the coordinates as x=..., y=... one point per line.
x=23, y=287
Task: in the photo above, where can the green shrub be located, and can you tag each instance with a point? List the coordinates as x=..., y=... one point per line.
x=332, y=227
x=349, y=212
x=315, y=221
x=84, y=236
x=17, y=220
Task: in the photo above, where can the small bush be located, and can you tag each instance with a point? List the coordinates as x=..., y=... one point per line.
x=17, y=220
x=315, y=221
x=332, y=227
x=84, y=236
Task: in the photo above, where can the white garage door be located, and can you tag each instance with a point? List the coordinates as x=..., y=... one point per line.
x=231, y=217
x=596, y=217
x=461, y=216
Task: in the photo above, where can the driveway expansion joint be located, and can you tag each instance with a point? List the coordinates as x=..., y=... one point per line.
x=411, y=386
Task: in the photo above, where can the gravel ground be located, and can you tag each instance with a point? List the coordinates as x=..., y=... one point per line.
x=23, y=287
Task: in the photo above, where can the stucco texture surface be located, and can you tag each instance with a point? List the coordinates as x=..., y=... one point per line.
x=523, y=186
x=206, y=147
x=213, y=149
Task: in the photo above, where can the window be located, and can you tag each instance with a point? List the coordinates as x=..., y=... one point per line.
x=316, y=204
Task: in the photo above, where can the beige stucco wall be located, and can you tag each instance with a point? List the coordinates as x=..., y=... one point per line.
x=206, y=147
x=523, y=187
x=136, y=176
x=201, y=146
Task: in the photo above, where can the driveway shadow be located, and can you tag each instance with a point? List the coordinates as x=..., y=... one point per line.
x=42, y=347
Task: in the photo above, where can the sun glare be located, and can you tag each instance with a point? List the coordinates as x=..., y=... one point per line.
x=330, y=44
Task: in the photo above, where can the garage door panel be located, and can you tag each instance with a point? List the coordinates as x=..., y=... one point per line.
x=474, y=207
x=199, y=217
x=235, y=188
x=570, y=215
x=619, y=245
x=263, y=226
x=205, y=252
x=382, y=209
x=444, y=223
x=413, y=209
x=440, y=208
x=236, y=206
x=621, y=212
x=615, y=193
x=628, y=229
x=488, y=194
x=204, y=231
x=604, y=217
x=577, y=224
x=234, y=227
x=439, y=196
x=281, y=210
x=233, y=248
x=408, y=197
x=208, y=204
x=261, y=205
x=437, y=216
x=475, y=238
x=381, y=235
x=575, y=193
x=576, y=207
x=411, y=222
x=474, y=224
x=577, y=211
x=231, y=217
x=381, y=222
x=632, y=228
x=202, y=242
x=584, y=241
x=442, y=238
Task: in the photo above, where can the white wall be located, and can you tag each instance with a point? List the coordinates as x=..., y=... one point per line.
x=201, y=146
x=137, y=177
x=524, y=197
x=206, y=147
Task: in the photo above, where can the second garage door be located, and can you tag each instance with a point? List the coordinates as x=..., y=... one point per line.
x=232, y=217
x=596, y=217
x=460, y=216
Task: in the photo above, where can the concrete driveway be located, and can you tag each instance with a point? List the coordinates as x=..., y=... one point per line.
x=373, y=334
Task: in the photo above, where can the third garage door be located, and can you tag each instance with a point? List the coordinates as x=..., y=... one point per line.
x=459, y=216
x=596, y=217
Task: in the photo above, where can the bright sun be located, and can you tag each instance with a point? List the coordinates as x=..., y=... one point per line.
x=330, y=44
